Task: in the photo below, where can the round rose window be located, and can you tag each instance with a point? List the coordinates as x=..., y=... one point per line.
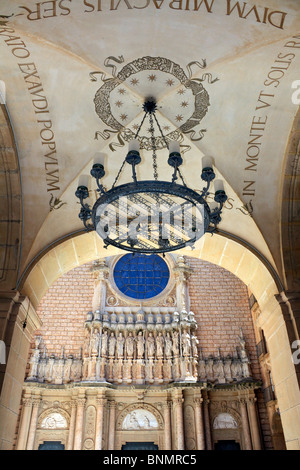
x=141, y=276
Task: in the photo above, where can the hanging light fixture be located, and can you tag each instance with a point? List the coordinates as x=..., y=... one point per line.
x=151, y=216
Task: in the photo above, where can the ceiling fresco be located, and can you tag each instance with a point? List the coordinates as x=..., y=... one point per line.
x=225, y=75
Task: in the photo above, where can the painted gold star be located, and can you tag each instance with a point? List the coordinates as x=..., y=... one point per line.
x=134, y=81
x=179, y=117
x=152, y=78
x=170, y=82
x=121, y=91
x=184, y=104
x=123, y=117
x=181, y=91
x=118, y=104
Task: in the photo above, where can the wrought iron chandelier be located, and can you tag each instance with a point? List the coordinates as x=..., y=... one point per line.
x=152, y=216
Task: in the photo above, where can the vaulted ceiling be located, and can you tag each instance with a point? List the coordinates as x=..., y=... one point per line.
x=73, y=79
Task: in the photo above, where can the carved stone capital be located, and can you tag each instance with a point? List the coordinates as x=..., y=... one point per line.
x=36, y=402
x=198, y=401
x=80, y=402
x=243, y=401
x=27, y=402
x=167, y=405
x=112, y=404
x=101, y=402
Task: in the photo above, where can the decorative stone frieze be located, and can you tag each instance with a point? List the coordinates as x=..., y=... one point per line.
x=139, y=349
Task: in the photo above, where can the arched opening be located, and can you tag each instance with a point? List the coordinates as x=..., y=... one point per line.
x=222, y=252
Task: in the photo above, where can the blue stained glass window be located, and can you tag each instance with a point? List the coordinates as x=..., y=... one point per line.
x=141, y=276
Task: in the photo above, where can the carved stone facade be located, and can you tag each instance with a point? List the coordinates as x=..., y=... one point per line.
x=140, y=367
x=128, y=349
x=106, y=417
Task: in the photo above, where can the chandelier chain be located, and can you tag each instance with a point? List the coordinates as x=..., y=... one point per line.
x=158, y=125
x=154, y=156
x=118, y=175
x=140, y=126
x=180, y=174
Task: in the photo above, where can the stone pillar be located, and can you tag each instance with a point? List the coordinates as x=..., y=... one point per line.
x=167, y=419
x=18, y=322
x=79, y=423
x=254, y=424
x=33, y=423
x=101, y=401
x=245, y=425
x=70, y=441
x=24, y=421
x=207, y=421
x=290, y=307
x=200, y=438
x=112, y=424
x=178, y=402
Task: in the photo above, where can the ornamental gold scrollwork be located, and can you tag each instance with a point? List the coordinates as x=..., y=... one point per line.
x=133, y=71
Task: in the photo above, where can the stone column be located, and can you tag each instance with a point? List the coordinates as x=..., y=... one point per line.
x=33, y=423
x=290, y=306
x=79, y=423
x=72, y=426
x=245, y=425
x=178, y=402
x=167, y=419
x=101, y=401
x=254, y=424
x=112, y=424
x=24, y=421
x=18, y=322
x=207, y=421
x=200, y=438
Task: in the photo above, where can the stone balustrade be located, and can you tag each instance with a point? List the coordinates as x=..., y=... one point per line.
x=139, y=349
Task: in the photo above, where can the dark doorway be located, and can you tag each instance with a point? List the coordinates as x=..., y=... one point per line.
x=52, y=445
x=227, y=445
x=140, y=446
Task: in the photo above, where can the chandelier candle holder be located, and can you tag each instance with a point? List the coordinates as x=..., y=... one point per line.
x=151, y=216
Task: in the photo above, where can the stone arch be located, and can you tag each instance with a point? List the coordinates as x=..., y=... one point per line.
x=224, y=420
x=227, y=252
x=53, y=411
x=226, y=409
x=217, y=249
x=11, y=202
x=139, y=406
x=290, y=214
